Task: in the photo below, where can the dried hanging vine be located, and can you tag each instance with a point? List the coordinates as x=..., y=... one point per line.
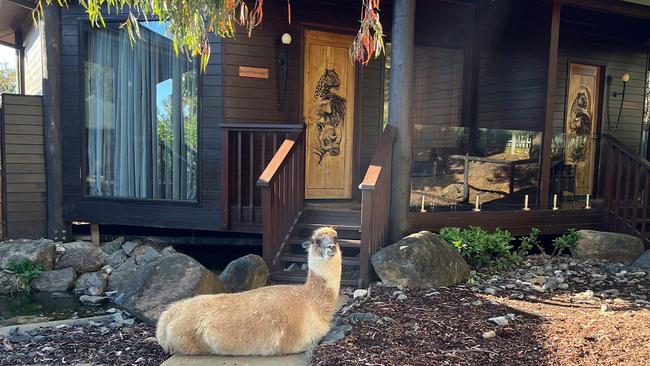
x=369, y=41
x=190, y=21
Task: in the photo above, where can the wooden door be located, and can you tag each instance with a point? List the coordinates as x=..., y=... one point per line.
x=582, y=123
x=328, y=108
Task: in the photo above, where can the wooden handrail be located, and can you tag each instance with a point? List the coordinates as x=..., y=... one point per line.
x=626, y=195
x=283, y=195
x=375, y=203
x=278, y=159
x=379, y=157
x=626, y=150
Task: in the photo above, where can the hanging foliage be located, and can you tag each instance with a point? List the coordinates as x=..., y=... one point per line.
x=190, y=21
x=369, y=41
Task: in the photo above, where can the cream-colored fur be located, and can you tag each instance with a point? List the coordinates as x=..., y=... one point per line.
x=270, y=320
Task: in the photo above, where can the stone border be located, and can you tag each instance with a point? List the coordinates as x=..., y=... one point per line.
x=6, y=331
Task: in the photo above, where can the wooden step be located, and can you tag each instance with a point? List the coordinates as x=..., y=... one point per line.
x=343, y=243
x=347, y=261
x=301, y=276
x=344, y=231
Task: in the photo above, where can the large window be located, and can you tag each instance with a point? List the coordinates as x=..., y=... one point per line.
x=140, y=116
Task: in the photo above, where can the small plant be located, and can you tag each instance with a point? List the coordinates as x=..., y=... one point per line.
x=25, y=270
x=567, y=241
x=481, y=248
x=527, y=243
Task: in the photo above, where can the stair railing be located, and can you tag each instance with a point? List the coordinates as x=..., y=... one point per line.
x=375, y=203
x=283, y=195
x=627, y=190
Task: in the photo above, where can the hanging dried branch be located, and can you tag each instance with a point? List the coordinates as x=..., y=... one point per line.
x=190, y=21
x=369, y=41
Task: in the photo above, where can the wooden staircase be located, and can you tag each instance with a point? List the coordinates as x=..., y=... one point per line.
x=346, y=219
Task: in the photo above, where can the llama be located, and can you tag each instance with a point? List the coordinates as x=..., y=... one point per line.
x=271, y=320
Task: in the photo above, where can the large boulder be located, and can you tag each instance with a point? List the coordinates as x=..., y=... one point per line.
x=420, y=260
x=9, y=283
x=56, y=280
x=245, y=273
x=121, y=275
x=643, y=260
x=144, y=254
x=113, y=246
x=40, y=251
x=83, y=256
x=613, y=247
x=117, y=258
x=157, y=284
x=91, y=283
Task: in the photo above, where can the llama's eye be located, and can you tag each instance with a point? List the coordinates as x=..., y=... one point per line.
x=326, y=142
x=318, y=241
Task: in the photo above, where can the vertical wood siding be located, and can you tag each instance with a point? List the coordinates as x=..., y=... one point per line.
x=23, y=164
x=201, y=215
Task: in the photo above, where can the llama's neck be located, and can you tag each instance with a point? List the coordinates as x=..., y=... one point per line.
x=324, y=275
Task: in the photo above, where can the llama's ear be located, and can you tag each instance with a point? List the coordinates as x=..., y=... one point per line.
x=306, y=244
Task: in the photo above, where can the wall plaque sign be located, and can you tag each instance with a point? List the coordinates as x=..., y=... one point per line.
x=253, y=72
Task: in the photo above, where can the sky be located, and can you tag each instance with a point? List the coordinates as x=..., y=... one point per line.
x=8, y=55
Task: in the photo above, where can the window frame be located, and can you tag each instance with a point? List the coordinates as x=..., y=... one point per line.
x=84, y=26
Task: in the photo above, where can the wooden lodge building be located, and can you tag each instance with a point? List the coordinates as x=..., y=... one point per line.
x=493, y=113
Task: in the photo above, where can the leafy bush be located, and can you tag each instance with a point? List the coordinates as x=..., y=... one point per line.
x=527, y=243
x=481, y=248
x=567, y=241
x=26, y=271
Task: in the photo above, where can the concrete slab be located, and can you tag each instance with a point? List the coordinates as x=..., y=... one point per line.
x=298, y=359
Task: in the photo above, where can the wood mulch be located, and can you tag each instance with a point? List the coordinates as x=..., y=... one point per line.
x=91, y=345
x=443, y=327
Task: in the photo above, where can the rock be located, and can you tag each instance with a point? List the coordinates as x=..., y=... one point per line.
x=420, y=260
x=9, y=283
x=610, y=293
x=144, y=254
x=40, y=251
x=170, y=278
x=92, y=283
x=358, y=318
x=336, y=334
x=490, y=291
x=499, y=320
x=168, y=250
x=82, y=256
x=359, y=293
x=605, y=308
x=489, y=334
x=113, y=246
x=587, y=295
x=643, y=260
x=613, y=247
x=551, y=284
x=56, y=280
x=477, y=303
x=245, y=273
x=129, y=246
x=19, y=337
x=92, y=300
x=121, y=276
x=117, y=258
x=401, y=297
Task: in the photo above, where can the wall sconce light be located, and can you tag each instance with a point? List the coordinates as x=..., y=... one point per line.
x=283, y=61
x=624, y=79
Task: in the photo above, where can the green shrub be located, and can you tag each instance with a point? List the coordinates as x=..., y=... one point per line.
x=527, y=243
x=567, y=241
x=26, y=271
x=480, y=248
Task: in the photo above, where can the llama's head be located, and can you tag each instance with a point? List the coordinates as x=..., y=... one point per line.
x=324, y=243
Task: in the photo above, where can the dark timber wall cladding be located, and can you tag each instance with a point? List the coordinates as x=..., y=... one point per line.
x=23, y=167
x=610, y=41
x=513, y=52
x=201, y=215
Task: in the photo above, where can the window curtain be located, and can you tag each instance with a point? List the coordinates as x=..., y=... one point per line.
x=141, y=104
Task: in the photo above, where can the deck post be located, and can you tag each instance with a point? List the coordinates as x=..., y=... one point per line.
x=401, y=78
x=52, y=121
x=551, y=77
